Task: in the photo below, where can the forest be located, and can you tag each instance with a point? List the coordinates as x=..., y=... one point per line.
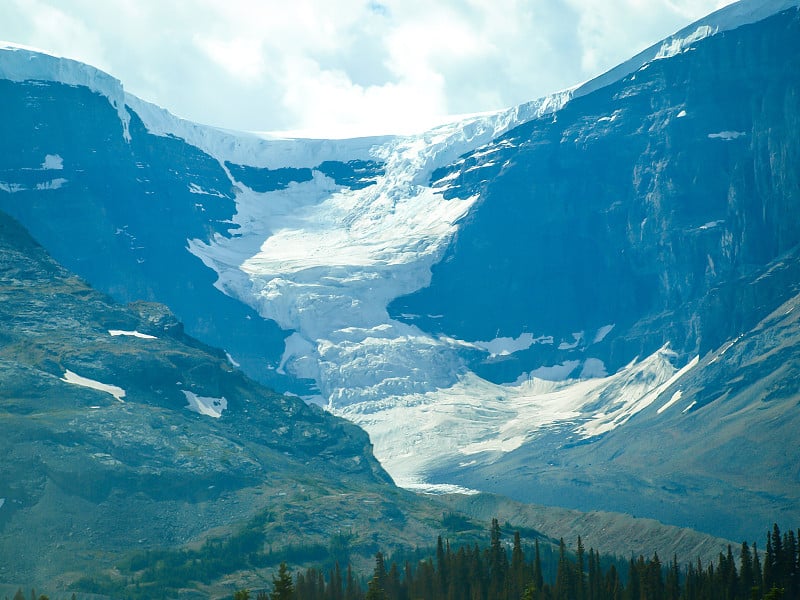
x=495, y=573
x=508, y=570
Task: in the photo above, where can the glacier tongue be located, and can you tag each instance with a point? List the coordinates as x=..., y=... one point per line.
x=325, y=260
x=477, y=421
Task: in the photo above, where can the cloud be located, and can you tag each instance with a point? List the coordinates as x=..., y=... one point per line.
x=390, y=65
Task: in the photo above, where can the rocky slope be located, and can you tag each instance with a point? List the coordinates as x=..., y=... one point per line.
x=120, y=434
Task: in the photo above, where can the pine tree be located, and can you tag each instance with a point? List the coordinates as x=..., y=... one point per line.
x=351, y=590
x=282, y=585
x=518, y=577
x=498, y=562
x=376, y=589
x=747, y=580
x=769, y=565
x=538, y=579
x=672, y=588
x=790, y=550
x=580, y=582
x=757, y=573
x=441, y=566
x=563, y=588
x=335, y=589
x=633, y=591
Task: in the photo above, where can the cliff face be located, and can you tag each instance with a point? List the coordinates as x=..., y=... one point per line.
x=640, y=205
x=667, y=206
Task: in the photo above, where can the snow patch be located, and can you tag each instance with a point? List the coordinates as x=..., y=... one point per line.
x=676, y=45
x=196, y=189
x=210, y=407
x=52, y=162
x=558, y=372
x=231, y=361
x=503, y=346
x=688, y=408
x=436, y=488
x=53, y=184
x=711, y=224
x=726, y=135
x=675, y=397
x=121, y=332
x=681, y=114
x=602, y=333
x=577, y=339
x=75, y=379
x=11, y=188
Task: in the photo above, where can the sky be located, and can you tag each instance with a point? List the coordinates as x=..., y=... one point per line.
x=344, y=67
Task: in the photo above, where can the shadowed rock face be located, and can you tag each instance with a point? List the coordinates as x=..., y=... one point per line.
x=667, y=205
x=633, y=206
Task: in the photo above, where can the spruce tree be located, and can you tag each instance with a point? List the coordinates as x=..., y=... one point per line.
x=580, y=582
x=747, y=580
x=758, y=576
x=282, y=585
x=518, y=577
x=376, y=589
x=538, y=578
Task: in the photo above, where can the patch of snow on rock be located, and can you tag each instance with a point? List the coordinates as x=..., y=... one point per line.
x=75, y=379
x=52, y=162
x=121, y=332
x=210, y=407
x=53, y=184
x=726, y=135
x=503, y=346
x=602, y=333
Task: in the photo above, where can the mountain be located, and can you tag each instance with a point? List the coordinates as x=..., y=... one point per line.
x=128, y=445
x=586, y=300
x=121, y=432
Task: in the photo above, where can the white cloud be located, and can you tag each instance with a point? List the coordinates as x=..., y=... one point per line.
x=384, y=64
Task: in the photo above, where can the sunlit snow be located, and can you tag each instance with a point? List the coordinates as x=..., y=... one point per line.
x=75, y=379
x=413, y=432
x=122, y=332
x=210, y=407
x=52, y=162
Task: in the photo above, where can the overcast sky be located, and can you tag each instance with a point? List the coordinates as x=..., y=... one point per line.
x=333, y=66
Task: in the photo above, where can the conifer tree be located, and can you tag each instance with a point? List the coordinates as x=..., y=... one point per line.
x=672, y=587
x=518, y=577
x=769, y=566
x=757, y=573
x=538, y=579
x=580, y=583
x=747, y=579
x=351, y=590
x=376, y=589
x=335, y=589
x=282, y=585
x=562, y=591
